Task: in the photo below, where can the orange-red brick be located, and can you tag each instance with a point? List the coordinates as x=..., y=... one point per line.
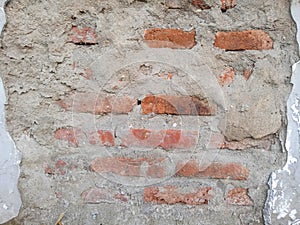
x=170, y=195
x=166, y=139
x=239, y=196
x=98, y=104
x=123, y=166
x=169, y=38
x=215, y=170
x=85, y=35
x=244, y=40
x=227, y=4
x=177, y=105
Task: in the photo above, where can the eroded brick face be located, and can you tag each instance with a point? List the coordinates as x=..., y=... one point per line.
x=85, y=35
x=215, y=170
x=154, y=168
x=170, y=38
x=177, y=105
x=166, y=139
x=239, y=196
x=170, y=195
x=97, y=104
x=244, y=40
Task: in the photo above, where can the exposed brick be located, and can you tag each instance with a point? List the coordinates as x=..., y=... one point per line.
x=243, y=40
x=200, y=4
x=177, y=105
x=85, y=35
x=96, y=195
x=98, y=104
x=170, y=195
x=61, y=167
x=75, y=136
x=69, y=134
x=217, y=140
x=169, y=38
x=227, y=4
x=121, y=197
x=87, y=74
x=227, y=77
x=248, y=72
x=214, y=170
x=264, y=143
x=140, y=167
x=239, y=196
x=104, y=137
x=166, y=139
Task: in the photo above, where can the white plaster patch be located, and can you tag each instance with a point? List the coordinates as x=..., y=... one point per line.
x=10, y=199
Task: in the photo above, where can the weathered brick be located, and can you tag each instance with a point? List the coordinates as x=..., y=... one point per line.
x=61, y=167
x=201, y=4
x=75, y=136
x=71, y=135
x=104, y=137
x=227, y=4
x=98, y=104
x=102, y=195
x=248, y=72
x=96, y=195
x=170, y=195
x=87, y=74
x=239, y=196
x=214, y=170
x=227, y=77
x=177, y=105
x=217, y=140
x=243, y=40
x=139, y=167
x=169, y=38
x=166, y=139
x=85, y=35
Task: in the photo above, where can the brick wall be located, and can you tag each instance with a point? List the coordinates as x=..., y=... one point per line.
x=139, y=112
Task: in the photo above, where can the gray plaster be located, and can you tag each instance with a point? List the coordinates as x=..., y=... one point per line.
x=283, y=203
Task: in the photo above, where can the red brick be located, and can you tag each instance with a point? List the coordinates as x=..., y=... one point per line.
x=48, y=170
x=69, y=134
x=121, y=197
x=170, y=195
x=248, y=72
x=217, y=140
x=227, y=4
x=264, y=143
x=243, y=40
x=169, y=38
x=104, y=137
x=166, y=139
x=87, y=74
x=214, y=170
x=227, y=77
x=75, y=136
x=96, y=195
x=85, y=35
x=155, y=168
x=239, y=196
x=97, y=104
x=200, y=4
x=177, y=105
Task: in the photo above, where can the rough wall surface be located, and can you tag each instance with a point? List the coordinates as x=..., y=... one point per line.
x=147, y=112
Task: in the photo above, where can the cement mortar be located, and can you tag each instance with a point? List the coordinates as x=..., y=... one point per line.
x=36, y=64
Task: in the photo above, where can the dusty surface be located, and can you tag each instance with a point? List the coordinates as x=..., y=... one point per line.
x=37, y=64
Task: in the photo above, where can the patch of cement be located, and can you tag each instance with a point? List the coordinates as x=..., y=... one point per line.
x=10, y=201
x=283, y=203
